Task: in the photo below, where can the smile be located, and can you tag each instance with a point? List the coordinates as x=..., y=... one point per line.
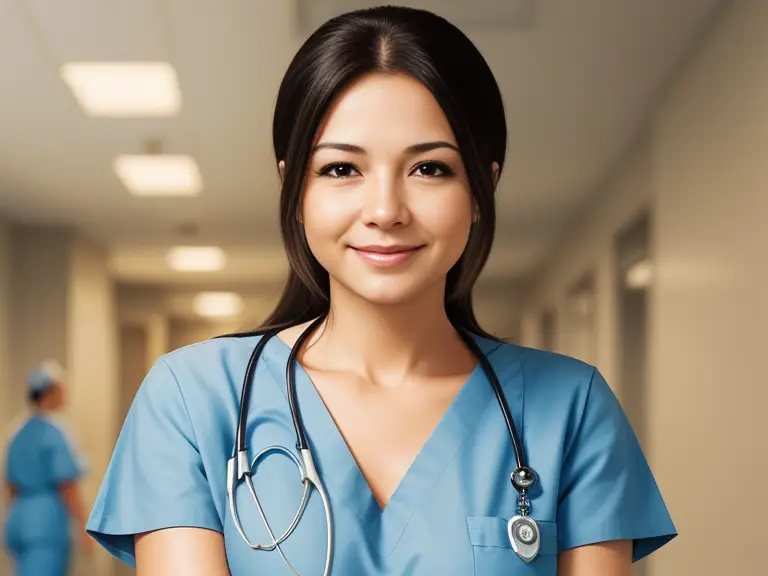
x=384, y=256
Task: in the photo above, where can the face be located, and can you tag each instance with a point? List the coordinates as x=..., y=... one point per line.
x=387, y=208
x=56, y=397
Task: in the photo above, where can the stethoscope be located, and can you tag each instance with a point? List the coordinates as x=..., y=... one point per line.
x=523, y=532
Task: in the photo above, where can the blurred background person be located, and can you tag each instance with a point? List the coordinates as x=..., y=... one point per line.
x=43, y=467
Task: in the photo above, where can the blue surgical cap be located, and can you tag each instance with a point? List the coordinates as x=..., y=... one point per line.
x=44, y=376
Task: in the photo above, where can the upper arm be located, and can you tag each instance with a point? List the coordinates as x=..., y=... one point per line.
x=156, y=478
x=189, y=551
x=603, y=559
x=607, y=491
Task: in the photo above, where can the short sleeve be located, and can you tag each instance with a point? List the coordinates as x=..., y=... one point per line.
x=607, y=490
x=63, y=465
x=156, y=478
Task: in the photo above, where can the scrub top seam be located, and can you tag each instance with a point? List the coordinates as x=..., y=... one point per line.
x=275, y=380
x=577, y=431
x=194, y=442
x=184, y=403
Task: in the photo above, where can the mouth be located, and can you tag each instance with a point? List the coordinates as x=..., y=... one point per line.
x=384, y=256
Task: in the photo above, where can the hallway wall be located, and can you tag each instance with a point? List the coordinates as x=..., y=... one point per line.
x=701, y=168
x=710, y=303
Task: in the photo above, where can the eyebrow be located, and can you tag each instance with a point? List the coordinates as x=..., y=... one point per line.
x=412, y=149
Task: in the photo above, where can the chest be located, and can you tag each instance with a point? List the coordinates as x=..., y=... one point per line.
x=443, y=459
x=385, y=428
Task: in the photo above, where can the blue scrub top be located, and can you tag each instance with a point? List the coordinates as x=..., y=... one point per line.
x=40, y=458
x=449, y=513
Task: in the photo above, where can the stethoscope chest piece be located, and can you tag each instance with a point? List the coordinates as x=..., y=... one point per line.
x=524, y=536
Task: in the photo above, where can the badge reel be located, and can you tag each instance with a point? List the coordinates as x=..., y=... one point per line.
x=522, y=530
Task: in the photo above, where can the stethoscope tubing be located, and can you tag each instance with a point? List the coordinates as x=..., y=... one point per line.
x=240, y=468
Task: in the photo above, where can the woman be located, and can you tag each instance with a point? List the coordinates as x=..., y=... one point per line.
x=42, y=471
x=389, y=135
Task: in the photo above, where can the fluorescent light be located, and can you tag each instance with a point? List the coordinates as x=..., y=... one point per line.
x=159, y=175
x=217, y=304
x=640, y=275
x=124, y=88
x=196, y=258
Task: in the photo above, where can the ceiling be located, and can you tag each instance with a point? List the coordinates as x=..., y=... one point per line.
x=577, y=79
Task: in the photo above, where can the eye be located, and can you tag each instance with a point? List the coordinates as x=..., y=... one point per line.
x=338, y=170
x=432, y=170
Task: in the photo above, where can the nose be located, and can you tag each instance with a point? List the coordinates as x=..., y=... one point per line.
x=385, y=203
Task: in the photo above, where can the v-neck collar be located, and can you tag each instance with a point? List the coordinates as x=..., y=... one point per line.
x=340, y=472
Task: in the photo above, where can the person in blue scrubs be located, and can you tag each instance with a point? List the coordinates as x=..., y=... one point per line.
x=390, y=138
x=43, y=467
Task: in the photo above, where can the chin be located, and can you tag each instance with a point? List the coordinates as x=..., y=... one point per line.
x=387, y=293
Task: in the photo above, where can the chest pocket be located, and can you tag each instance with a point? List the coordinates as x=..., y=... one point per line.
x=493, y=553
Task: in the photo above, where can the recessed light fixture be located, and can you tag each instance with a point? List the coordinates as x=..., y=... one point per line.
x=217, y=304
x=640, y=275
x=196, y=258
x=159, y=174
x=124, y=89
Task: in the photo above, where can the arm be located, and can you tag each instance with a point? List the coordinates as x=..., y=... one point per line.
x=11, y=492
x=189, y=551
x=604, y=559
x=71, y=498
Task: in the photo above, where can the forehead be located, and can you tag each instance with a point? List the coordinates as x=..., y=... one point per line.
x=385, y=110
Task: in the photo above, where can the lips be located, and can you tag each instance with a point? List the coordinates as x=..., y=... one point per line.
x=384, y=256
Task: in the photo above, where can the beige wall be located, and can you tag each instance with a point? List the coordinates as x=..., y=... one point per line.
x=5, y=413
x=133, y=364
x=710, y=306
x=702, y=166
x=588, y=248
x=5, y=284
x=92, y=364
x=91, y=356
x=39, y=290
x=497, y=308
x=183, y=332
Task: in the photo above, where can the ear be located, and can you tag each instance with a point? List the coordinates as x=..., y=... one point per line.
x=281, y=171
x=496, y=170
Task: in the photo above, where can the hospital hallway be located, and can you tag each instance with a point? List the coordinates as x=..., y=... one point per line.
x=139, y=203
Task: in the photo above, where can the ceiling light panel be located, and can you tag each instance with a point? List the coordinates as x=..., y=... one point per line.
x=640, y=275
x=196, y=259
x=124, y=89
x=159, y=174
x=218, y=304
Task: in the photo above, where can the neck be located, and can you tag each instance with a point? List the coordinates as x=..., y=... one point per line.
x=392, y=339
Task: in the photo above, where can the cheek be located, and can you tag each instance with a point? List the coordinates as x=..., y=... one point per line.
x=448, y=220
x=325, y=217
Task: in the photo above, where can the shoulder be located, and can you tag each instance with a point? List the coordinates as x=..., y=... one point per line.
x=546, y=372
x=213, y=354
x=197, y=374
x=56, y=426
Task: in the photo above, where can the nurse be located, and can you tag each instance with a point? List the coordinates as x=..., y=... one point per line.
x=42, y=471
x=389, y=136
